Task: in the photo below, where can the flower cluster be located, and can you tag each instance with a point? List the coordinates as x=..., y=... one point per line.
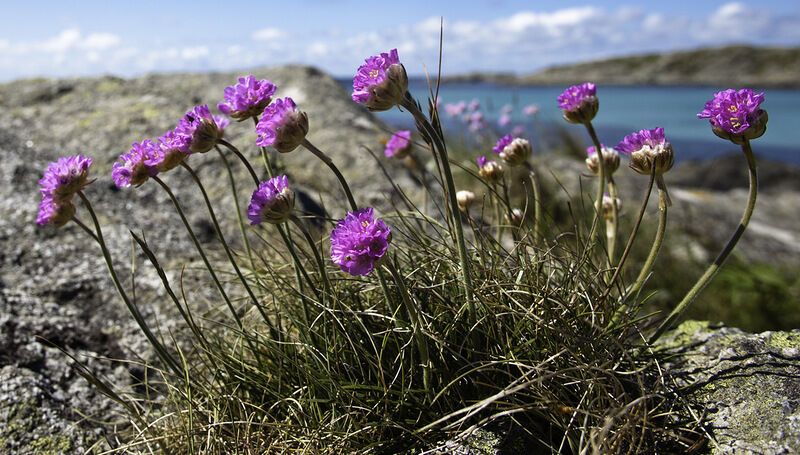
x=399, y=145
x=359, y=241
x=61, y=180
x=247, y=98
x=649, y=150
x=381, y=82
x=282, y=126
x=200, y=128
x=579, y=103
x=513, y=151
x=736, y=114
x=272, y=202
x=610, y=159
x=137, y=165
x=489, y=170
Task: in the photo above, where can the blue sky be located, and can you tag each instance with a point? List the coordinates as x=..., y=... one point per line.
x=49, y=38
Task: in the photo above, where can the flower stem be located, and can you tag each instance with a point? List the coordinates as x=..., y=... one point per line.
x=320, y=263
x=327, y=160
x=202, y=253
x=232, y=181
x=659, y=239
x=612, y=225
x=241, y=157
x=228, y=252
x=601, y=185
x=537, y=204
x=712, y=269
x=632, y=237
x=137, y=316
x=450, y=189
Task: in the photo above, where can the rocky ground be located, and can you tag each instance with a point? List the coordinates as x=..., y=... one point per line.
x=54, y=291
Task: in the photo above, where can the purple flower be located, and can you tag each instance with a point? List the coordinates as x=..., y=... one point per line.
x=579, y=103
x=481, y=160
x=504, y=120
x=65, y=177
x=399, y=145
x=641, y=139
x=381, y=82
x=170, y=151
x=530, y=110
x=272, y=201
x=359, y=241
x=518, y=130
x=455, y=110
x=282, y=126
x=200, y=129
x=734, y=112
x=649, y=150
x=54, y=213
x=247, y=98
x=132, y=168
x=474, y=105
x=502, y=143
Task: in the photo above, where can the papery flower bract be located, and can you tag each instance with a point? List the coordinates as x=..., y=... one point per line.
x=282, y=126
x=491, y=171
x=54, y=213
x=359, y=241
x=399, y=145
x=736, y=114
x=513, y=151
x=464, y=199
x=200, y=127
x=272, y=202
x=247, y=98
x=648, y=149
x=579, y=103
x=65, y=177
x=170, y=151
x=516, y=217
x=132, y=167
x=381, y=82
x=610, y=160
x=608, y=206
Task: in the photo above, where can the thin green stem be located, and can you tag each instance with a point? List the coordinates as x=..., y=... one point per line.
x=632, y=237
x=241, y=157
x=228, y=251
x=612, y=224
x=601, y=185
x=320, y=263
x=329, y=162
x=416, y=327
x=235, y=193
x=137, y=316
x=537, y=204
x=441, y=150
x=712, y=269
x=659, y=239
x=202, y=253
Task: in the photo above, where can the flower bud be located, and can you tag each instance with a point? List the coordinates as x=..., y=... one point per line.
x=491, y=171
x=648, y=150
x=579, y=103
x=282, y=126
x=381, y=82
x=272, y=202
x=515, y=218
x=514, y=151
x=608, y=206
x=465, y=200
x=610, y=160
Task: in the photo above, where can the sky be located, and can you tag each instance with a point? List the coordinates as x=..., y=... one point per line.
x=93, y=37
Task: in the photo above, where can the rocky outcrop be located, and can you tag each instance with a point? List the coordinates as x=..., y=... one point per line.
x=747, y=384
x=54, y=290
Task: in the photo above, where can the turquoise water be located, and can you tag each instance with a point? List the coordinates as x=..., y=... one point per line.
x=625, y=109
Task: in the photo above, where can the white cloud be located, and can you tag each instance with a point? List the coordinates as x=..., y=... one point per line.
x=268, y=34
x=100, y=41
x=194, y=53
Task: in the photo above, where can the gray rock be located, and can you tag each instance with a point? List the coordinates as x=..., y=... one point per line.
x=749, y=384
x=54, y=289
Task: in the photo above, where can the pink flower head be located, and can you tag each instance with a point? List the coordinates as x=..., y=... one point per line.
x=456, y=109
x=734, y=111
x=247, y=98
x=380, y=83
x=399, y=145
x=170, y=151
x=504, y=120
x=132, y=167
x=272, y=201
x=579, y=103
x=200, y=129
x=530, y=110
x=282, y=126
x=359, y=241
x=65, y=177
x=502, y=143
